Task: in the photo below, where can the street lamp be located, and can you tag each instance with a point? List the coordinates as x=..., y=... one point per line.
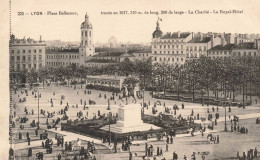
x=143, y=101
x=38, y=126
x=226, y=116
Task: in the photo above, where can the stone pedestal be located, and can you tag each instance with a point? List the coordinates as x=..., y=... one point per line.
x=129, y=120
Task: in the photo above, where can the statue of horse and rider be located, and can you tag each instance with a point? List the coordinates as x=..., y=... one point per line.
x=128, y=91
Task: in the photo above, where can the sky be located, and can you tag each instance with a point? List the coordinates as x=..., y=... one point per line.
x=134, y=28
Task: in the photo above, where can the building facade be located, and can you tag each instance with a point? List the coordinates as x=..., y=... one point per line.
x=169, y=48
x=27, y=54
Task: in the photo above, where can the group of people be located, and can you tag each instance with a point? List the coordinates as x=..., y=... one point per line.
x=250, y=155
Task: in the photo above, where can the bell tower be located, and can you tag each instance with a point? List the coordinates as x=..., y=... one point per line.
x=87, y=48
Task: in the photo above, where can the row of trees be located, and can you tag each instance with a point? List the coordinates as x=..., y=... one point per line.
x=230, y=76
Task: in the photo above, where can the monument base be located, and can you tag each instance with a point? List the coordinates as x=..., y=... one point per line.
x=129, y=120
x=127, y=129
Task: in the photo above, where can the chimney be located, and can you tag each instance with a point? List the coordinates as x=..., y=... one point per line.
x=223, y=42
x=179, y=34
x=256, y=43
x=201, y=36
x=212, y=40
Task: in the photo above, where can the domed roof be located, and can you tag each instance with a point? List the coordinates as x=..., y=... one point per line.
x=88, y=26
x=157, y=33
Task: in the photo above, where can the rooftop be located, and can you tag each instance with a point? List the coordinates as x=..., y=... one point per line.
x=220, y=47
x=246, y=45
x=199, y=40
x=101, y=61
x=175, y=35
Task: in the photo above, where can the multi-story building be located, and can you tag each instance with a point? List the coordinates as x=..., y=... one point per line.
x=169, y=48
x=27, y=54
x=106, y=58
x=221, y=51
x=246, y=49
x=231, y=50
x=199, y=46
x=62, y=58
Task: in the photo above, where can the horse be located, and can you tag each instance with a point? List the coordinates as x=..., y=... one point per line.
x=128, y=92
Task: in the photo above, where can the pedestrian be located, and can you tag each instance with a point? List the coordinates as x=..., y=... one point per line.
x=29, y=141
x=167, y=147
x=217, y=138
x=59, y=156
x=29, y=152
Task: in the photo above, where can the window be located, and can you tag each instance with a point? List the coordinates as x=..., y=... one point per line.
x=169, y=46
x=160, y=59
x=40, y=65
x=169, y=59
x=160, y=52
x=154, y=46
x=164, y=59
x=172, y=59
x=164, y=52
x=18, y=58
x=160, y=46
x=86, y=33
x=177, y=46
x=164, y=46
x=191, y=48
x=200, y=48
x=155, y=58
x=244, y=53
x=181, y=46
x=18, y=67
x=29, y=66
x=29, y=51
x=12, y=58
x=34, y=66
x=205, y=48
x=254, y=53
x=40, y=50
x=181, y=59
x=168, y=52
x=172, y=46
x=34, y=57
x=181, y=52
x=238, y=53
x=24, y=66
x=172, y=52
x=177, y=52
x=12, y=51
x=195, y=48
x=40, y=57
x=18, y=51
x=249, y=53
x=23, y=51
x=23, y=58
x=155, y=52
x=89, y=33
x=177, y=59
x=35, y=51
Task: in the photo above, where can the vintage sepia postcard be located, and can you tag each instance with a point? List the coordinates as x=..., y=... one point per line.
x=130, y=80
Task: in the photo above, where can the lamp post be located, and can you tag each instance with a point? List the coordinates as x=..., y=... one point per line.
x=109, y=129
x=38, y=127
x=143, y=101
x=225, y=129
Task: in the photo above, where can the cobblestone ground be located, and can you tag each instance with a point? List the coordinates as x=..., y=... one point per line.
x=230, y=142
